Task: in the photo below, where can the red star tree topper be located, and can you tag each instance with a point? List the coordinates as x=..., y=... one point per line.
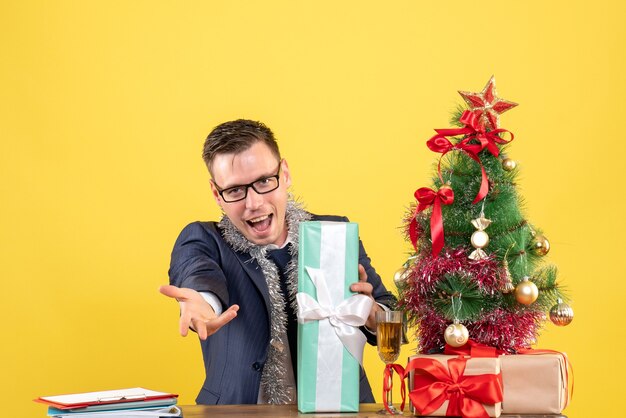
x=487, y=104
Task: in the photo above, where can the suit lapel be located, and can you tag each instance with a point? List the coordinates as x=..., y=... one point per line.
x=252, y=268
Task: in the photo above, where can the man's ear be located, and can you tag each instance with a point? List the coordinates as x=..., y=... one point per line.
x=286, y=173
x=216, y=194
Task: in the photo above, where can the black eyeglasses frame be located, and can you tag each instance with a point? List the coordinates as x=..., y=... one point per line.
x=250, y=186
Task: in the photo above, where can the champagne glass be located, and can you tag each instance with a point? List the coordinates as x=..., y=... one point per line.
x=389, y=339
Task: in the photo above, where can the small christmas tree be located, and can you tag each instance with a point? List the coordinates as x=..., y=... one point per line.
x=478, y=270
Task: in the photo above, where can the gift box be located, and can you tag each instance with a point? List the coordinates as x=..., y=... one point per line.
x=534, y=383
x=330, y=345
x=442, y=385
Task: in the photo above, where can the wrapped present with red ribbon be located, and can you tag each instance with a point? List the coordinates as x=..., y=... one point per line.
x=535, y=382
x=441, y=385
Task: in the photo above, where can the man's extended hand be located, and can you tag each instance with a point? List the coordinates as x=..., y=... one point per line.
x=196, y=313
x=365, y=288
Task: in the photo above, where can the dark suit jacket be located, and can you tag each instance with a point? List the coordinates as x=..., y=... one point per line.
x=234, y=356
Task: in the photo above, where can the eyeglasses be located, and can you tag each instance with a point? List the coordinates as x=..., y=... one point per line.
x=261, y=186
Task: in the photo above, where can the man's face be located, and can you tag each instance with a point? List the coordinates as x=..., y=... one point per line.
x=259, y=217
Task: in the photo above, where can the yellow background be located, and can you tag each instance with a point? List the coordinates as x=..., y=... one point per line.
x=105, y=104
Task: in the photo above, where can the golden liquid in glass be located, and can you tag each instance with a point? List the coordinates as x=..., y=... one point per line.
x=389, y=335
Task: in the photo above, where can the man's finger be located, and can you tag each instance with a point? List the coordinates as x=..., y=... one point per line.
x=184, y=323
x=172, y=292
x=201, y=328
x=228, y=315
x=363, y=288
x=362, y=274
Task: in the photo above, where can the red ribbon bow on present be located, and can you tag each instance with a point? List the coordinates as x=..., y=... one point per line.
x=433, y=384
x=425, y=198
x=474, y=349
x=473, y=130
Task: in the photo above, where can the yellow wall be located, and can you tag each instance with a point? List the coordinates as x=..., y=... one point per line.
x=104, y=106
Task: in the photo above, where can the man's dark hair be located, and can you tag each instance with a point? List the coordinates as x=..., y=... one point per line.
x=237, y=136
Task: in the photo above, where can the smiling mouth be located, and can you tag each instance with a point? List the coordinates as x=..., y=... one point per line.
x=261, y=223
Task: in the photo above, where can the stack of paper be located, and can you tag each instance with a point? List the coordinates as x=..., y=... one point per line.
x=122, y=403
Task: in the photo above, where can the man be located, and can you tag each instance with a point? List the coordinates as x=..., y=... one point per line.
x=236, y=279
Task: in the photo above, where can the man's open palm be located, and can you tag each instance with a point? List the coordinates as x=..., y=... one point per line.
x=196, y=313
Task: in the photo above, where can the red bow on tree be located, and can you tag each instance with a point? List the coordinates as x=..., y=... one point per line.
x=425, y=198
x=433, y=384
x=473, y=130
x=439, y=143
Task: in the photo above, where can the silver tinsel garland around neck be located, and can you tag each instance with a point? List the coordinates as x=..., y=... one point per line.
x=274, y=377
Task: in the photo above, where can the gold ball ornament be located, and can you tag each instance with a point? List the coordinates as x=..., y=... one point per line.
x=561, y=314
x=526, y=292
x=541, y=245
x=400, y=276
x=456, y=335
x=509, y=164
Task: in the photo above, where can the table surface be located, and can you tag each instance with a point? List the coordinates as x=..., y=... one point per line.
x=267, y=411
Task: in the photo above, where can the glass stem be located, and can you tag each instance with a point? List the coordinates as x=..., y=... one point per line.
x=389, y=393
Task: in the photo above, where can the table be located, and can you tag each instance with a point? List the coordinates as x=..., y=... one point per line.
x=279, y=411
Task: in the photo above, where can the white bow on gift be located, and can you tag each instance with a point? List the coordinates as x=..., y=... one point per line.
x=345, y=318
